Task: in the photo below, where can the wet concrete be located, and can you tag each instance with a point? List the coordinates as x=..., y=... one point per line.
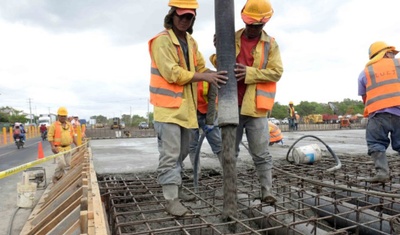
x=141, y=154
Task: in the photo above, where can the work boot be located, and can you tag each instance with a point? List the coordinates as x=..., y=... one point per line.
x=185, y=197
x=381, y=168
x=265, y=177
x=175, y=207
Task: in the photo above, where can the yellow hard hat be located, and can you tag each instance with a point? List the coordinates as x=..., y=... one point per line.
x=258, y=10
x=377, y=50
x=291, y=102
x=186, y=4
x=62, y=111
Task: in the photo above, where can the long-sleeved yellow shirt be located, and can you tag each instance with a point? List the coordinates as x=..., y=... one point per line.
x=254, y=75
x=165, y=55
x=66, y=138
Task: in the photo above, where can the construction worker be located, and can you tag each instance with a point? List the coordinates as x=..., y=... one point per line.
x=60, y=136
x=212, y=132
x=291, y=116
x=275, y=134
x=379, y=87
x=258, y=69
x=296, y=120
x=176, y=67
x=75, y=124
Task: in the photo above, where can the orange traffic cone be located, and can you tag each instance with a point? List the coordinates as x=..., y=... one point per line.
x=40, y=151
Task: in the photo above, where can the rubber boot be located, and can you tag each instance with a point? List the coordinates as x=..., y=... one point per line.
x=265, y=177
x=381, y=167
x=185, y=197
x=173, y=204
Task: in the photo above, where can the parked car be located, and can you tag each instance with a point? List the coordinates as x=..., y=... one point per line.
x=274, y=121
x=122, y=125
x=143, y=125
x=285, y=121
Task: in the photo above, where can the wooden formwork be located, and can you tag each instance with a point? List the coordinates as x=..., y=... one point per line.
x=73, y=205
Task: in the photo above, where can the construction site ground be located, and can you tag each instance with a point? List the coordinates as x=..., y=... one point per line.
x=134, y=161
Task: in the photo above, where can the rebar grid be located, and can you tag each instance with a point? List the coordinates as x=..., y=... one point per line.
x=310, y=201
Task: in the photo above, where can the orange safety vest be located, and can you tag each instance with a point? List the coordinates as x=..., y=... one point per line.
x=265, y=94
x=383, y=85
x=163, y=93
x=58, y=131
x=275, y=133
x=291, y=112
x=202, y=98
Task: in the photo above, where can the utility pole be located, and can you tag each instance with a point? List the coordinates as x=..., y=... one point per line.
x=30, y=110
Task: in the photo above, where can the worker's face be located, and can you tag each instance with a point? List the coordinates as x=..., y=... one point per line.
x=62, y=119
x=183, y=22
x=253, y=31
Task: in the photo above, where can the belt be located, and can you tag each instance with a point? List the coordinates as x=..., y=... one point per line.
x=62, y=146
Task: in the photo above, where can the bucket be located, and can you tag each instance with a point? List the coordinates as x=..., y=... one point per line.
x=307, y=154
x=117, y=134
x=26, y=194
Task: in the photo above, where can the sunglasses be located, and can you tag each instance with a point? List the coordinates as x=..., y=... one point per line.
x=185, y=16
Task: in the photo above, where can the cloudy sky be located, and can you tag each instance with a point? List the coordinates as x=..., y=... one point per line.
x=92, y=56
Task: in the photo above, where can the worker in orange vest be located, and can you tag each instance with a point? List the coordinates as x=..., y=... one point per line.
x=291, y=116
x=257, y=70
x=60, y=136
x=379, y=87
x=275, y=134
x=176, y=67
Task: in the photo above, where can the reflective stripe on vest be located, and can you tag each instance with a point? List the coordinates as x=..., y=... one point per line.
x=265, y=94
x=383, y=85
x=163, y=93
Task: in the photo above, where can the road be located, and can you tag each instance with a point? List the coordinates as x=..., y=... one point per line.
x=11, y=157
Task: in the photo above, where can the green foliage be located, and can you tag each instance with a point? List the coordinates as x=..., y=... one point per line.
x=304, y=108
x=11, y=115
x=100, y=119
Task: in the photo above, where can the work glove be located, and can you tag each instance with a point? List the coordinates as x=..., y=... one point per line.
x=208, y=128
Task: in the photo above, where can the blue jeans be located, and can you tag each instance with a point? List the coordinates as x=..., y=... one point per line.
x=21, y=136
x=378, y=129
x=213, y=137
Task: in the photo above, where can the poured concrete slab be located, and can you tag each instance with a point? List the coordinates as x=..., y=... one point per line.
x=141, y=154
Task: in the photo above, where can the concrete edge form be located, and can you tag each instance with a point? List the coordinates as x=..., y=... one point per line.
x=73, y=205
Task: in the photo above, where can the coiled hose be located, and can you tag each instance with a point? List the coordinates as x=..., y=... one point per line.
x=337, y=160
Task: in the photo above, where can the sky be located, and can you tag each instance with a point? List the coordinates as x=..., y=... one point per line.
x=91, y=56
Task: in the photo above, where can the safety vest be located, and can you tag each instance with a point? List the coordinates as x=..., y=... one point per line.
x=275, y=133
x=58, y=132
x=163, y=93
x=265, y=94
x=383, y=85
x=291, y=112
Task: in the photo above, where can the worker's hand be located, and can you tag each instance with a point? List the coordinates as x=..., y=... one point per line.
x=240, y=71
x=208, y=128
x=54, y=149
x=216, y=78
